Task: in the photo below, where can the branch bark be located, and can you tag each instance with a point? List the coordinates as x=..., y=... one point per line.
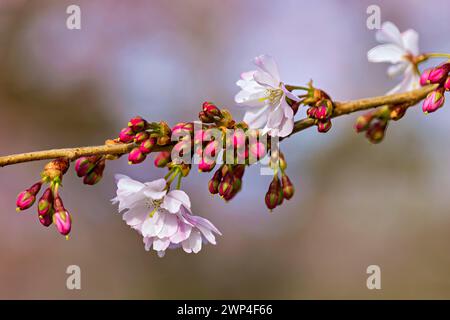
x=341, y=108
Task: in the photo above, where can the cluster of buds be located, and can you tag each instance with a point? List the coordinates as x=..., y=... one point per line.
x=227, y=181
x=51, y=209
x=90, y=169
x=320, y=108
x=438, y=75
x=374, y=123
x=145, y=135
x=279, y=189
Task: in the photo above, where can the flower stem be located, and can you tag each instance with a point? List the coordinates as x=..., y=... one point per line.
x=290, y=87
x=437, y=55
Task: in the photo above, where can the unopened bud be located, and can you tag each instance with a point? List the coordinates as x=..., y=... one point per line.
x=397, y=112
x=63, y=222
x=226, y=186
x=96, y=174
x=447, y=84
x=376, y=131
x=136, y=156
x=206, y=166
x=141, y=137
x=324, y=126
x=26, y=198
x=137, y=124
x=126, y=135
x=213, y=184
x=211, y=110
x=362, y=122
x=433, y=101
x=147, y=146
x=424, y=77
x=162, y=159
x=84, y=165
x=439, y=74
x=288, y=187
x=45, y=204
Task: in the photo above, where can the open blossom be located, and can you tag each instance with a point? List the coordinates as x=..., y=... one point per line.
x=399, y=49
x=263, y=93
x=164, y=219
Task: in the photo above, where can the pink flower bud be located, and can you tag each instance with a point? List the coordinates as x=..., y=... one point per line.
x=26, y=198
x=376, y=131
x=288, y=187
x=84, y=165
x=362, y=122
x=162, y=159
x=447, y=84
x=94, y=176
x=206, y=166
x=46, y=220
x=126, y=135
x=63, y=222
x=136, y=156
x=45, y=204
x=211, y=110
x=213, y=184
x=147, y=146
x=258, y=150
x=137, y=124
x=141, y=136
x=274, y=195
x=433, y=101
x=324, y=126
x=226, y=186
x=439, y=73
x=203, y=117
x=311, y=112
x=239, y=170
x=424, y=77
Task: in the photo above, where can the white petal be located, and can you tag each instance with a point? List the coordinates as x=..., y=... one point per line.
x=389, y=33
x=411, y=41
x=397, y=69
x=286, y=127
x=174, y=199
x=148, y=242
x=184, y=231
x=136, y=215
x=386, y=53
x=161, y=254
x=193, y=243
x=127, y=184
x=152, y=226
x=258, y=118
x=265, y=79
x=170, y=226
x=267, y=64
x=409, y=82
x=252, y=99
x=155, y=189
x=289, y=94
x=275, y=117
x=161, y=244
x=202, y=222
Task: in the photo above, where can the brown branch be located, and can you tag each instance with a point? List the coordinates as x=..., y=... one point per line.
x=341, y=108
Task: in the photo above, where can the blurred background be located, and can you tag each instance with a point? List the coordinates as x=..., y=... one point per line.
x=356, y=204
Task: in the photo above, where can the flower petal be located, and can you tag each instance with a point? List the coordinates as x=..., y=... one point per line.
x=184, y=231
x=152, y=226
x=289, y=94
x=267, y=64
x=265, y=79
x=258, y=118
x=155, y=189
x=136, y=215
x=386, y=53
x=411, y=41
x=174, y=199
x=397, y=69
x=389, y=33
x=160, y=244
x=193, y=243
x=170, y=226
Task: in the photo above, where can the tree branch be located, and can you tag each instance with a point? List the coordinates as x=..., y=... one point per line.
x=341, y=108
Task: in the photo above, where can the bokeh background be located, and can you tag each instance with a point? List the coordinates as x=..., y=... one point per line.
x=356, y=204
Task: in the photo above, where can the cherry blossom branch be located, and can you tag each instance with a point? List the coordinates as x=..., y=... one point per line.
x=341, y=108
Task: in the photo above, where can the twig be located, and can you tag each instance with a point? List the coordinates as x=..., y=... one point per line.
x=341, y=108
